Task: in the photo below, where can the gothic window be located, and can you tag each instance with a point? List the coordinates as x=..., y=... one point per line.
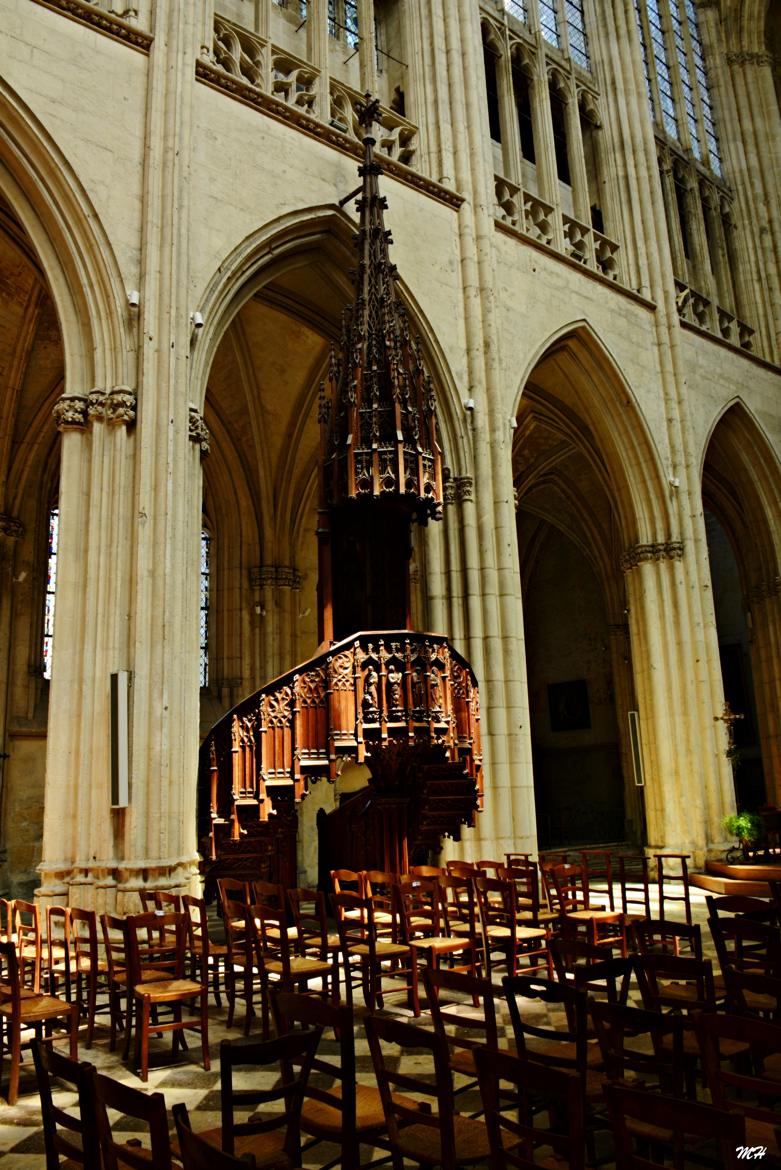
x=204, y=606
x=296, y=6
x=575, y=23
x=51, y=589
x=517, y=8
x=676, y=76
x=492, y=93
x=559, y=118
x=546, y=10
x=524, y=109
x=343, y=21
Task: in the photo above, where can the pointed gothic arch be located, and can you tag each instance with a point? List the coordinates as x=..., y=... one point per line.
x=741, y=492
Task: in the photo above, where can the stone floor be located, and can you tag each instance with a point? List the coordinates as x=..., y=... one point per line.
x=21, y=1135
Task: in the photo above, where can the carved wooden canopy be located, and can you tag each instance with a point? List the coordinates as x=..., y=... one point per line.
x=378, y=417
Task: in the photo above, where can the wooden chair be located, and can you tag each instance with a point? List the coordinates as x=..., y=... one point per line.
x=745, y=944
x=57, y=954
x=564, y=1045
x=6, y=920
x=749, y=1087
x=743, y=906
x=157, y=956
x=634, y=885
x=29, y=943
x=462, y=869
x=20, y=1009
x=666, y=936
x=366, y=957
x=202, y=948
x=578, y=913
x=501, y=933
x=148, y=1109
x=66, y=1133
x=426, y=871
x=280, y=967
x=459, y=910
x=463, y=1012
x=90, y=972
x=378, y=885
x=441, y=1137
x=234, y=890
x=243, y=976
x=114, y=930
x=347, y=881
x=525, y=876
x=598, y=868
x=640, y=1048
x=338, y=1108
x=489, y=866
x=634, y=1112
x=679, y=862
x=313, y=938
x=546, y=1126
x=424, y=931
x=197, y=1154
x=273, y=1138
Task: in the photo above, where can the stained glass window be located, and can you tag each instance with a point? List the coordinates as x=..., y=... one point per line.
x=676, y=76
x=204, y=606
x=51, y=588
x=576, y=32
x=343, y=21
x=516, y=8
x=547, y=14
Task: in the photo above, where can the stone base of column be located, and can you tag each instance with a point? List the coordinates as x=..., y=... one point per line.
x=114, y=889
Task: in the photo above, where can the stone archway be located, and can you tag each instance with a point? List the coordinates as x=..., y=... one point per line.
x=741, y=490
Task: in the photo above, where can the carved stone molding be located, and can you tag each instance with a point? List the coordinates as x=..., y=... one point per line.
x=661, y=550
x=10, y=526
x=448, y=488
x=120, y=405
x=199, y=432
x=464, y=486
x=105, y=22
x=275, y=577
x=746, y=57
x=765, y=590
x=70, y=412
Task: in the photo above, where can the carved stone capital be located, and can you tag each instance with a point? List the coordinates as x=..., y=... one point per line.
x=70, y=412
x=96, y=405
x=745, y=57
x=448, y=492
x=199, y=432
x=464, y=486
x=274, y=577
x=765, y=590
x=10, y=526
x=661, y=550
x=120, y=405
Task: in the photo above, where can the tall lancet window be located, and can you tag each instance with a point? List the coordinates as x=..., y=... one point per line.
x=343, y=21
x=51, y=589
x=204, y=606
x=677, y=77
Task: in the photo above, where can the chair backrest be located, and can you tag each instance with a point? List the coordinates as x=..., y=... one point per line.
x=457, y=901
x=114, y=930
x=148, y=899
x=665, y=936
x=609, y=979
x=526, y=879
x=10, y=979
x=569, y=953
x=58, y=957
x=662, y=977
x=198, y=1154
x=269, y=894
x=635, y=891
x=496, y=903
x=29, y=947
x=234, y=890
x=646, y=1046
x=6, y=919
x=746, y=943
x=293, y=1009
x=156, y=946
x=378, y=885
x=165, y=900
x=403, y=1091
x=462, y=1009
x=293, y=1054
x=84, y=937
x=461, y=868
x=570, y=881
x=681, y=1118
x=419, y=906
x=490, y=865
x=524, y=994
x=547, y=1113
x=148, y=1108
x=66, y=1133
x=743, y=906
x=426, y=871
x=310, y=915
x=347, y=881
x=744, y=1085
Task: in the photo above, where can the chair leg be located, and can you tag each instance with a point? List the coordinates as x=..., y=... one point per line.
x=15, y=1037
x=74, y=1031
x=205, y=1029
x=142, y=1038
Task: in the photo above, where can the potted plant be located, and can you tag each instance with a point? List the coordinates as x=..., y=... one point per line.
x=746, y=827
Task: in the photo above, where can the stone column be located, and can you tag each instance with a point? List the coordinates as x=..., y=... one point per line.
x=426, y=100
x=367, y=47
x=317, y=53
x=683, y=805
x=80, y=830
x=158, y=842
